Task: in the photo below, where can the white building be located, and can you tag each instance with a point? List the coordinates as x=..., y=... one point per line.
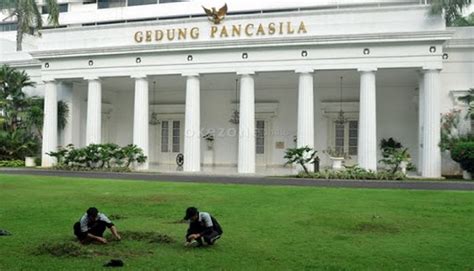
x=161, y=76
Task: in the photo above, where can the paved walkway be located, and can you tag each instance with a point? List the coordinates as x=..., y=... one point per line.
x=252, y=180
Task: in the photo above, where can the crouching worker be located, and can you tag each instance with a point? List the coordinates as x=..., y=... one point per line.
x=92, y=226
x=201, y=226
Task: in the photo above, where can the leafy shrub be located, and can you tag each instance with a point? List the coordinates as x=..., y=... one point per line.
x=300, y=156
x=12, y=163
x=106, y=157
x=462, y=151
x=355, y=173
x=394, y=154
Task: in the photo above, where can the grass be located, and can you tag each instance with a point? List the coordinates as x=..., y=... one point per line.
x=265, y=227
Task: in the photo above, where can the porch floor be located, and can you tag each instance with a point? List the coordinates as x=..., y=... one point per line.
x=224, y=170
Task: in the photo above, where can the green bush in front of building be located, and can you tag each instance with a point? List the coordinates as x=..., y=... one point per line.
x=354, y=173
x=108, y=157
x=462, y=151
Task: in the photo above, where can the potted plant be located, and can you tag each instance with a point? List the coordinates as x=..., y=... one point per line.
x=337, y=157
x=210, y=140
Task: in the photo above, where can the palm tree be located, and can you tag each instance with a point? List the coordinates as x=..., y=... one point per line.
x=28, y=16
x=452, y=9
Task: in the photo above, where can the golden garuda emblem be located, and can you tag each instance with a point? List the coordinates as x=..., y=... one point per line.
x=216, y=16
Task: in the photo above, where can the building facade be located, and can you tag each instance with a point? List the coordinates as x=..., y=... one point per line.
x=268, y=76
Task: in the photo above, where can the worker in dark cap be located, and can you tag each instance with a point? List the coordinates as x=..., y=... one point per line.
x=92, y=225
x=202, y=226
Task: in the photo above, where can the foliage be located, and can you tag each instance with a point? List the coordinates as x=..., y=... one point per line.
x=356, y=173
x=469, y=101
x=17, y=145
x=27, y=14
x=12, y=163
x=389, y=144
x=464, y=21
x=34, y=116
x=208, y=137
x=394, y=154
x=462, y=151
x=394, y=157
x=452, y=9
x=21, y=117
x=449, y=126
x=301, y=156
x=109, y=157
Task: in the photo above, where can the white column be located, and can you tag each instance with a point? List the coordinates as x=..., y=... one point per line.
x=367, y=141
x=246, y=160
x=431, y=166
x=421, y=110
x=192, y=125
x=94, y=111
x=140, y=118
x=305, y=133
x=50, y=123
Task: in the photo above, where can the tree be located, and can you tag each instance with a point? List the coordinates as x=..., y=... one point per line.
x=21, y=117
x=28, y=16
x=452, y=9
x=34, y=116
x=301, y=156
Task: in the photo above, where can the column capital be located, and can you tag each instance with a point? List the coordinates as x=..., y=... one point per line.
x=304, y=70
x=426, y=69
x=367, y=69
x=92, y=78
x=245, y=72
x=49, y=80
x=139, y=76
x=190, y=74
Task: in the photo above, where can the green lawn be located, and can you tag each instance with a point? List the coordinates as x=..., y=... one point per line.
x=265, y=227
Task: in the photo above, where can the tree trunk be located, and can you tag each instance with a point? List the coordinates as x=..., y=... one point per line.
x=19, y=34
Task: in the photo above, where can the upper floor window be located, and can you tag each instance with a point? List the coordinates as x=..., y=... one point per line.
x=89, y=2
x=4, y=27
x=112, y=3
x=141, y=2
x=62, y=8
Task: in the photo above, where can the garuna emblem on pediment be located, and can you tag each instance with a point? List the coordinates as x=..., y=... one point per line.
x=216, y=16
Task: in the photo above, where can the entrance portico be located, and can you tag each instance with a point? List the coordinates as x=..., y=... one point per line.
x=201, y=93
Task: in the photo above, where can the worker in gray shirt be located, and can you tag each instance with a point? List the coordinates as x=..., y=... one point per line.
x=92, y=225
x=201, y=226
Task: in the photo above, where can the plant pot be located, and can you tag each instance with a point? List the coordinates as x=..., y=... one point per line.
x=403, y=167
x=337, y=162
x=210, y=145
x=30, y=162
x=466, y=175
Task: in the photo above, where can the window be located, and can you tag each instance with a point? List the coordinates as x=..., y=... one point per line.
x=176, y=135
x=112, y=3
x=353, y=137
x=62, y=8
x=141, y=2
x=4, y=27
x=86, y=2
x=346, y=137
x=339, y=143
x=260, y=137
x=164, y=136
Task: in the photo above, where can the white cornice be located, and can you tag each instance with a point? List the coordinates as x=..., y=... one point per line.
x=231, y=17
x=439, y=36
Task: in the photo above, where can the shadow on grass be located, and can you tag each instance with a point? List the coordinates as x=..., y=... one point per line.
x=149, y=237
x=73, y=248
x=376, y=227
